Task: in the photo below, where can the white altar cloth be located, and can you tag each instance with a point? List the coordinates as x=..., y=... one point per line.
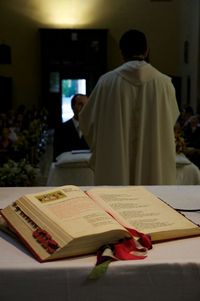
x=171, y=270
x=74, y=168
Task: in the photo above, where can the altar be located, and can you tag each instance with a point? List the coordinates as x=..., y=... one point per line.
x=171, y=270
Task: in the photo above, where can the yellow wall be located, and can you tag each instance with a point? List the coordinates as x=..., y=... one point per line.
x=21, y=19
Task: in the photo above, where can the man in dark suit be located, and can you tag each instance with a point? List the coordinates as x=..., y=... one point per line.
x=67, y=136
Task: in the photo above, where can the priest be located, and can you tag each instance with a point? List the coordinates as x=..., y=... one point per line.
x=129, y=120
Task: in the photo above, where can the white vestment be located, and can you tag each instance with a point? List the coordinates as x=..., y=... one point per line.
x=128, y=123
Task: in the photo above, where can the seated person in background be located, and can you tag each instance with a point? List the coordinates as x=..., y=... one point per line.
x=186, y=113
x=192, y=132
x=67, y=136
x=192, y=139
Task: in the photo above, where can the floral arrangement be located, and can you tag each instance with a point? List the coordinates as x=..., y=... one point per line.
x=179, y=139
x=27, y=134
x=180, y=143
x=28, y=143
x=21, y=173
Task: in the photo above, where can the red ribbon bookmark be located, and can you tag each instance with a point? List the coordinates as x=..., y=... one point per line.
x=125, y=249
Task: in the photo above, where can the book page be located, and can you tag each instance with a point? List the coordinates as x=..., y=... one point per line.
x=70, y=209
x=136, y=207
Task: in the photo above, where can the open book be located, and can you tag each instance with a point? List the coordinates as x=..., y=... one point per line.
x=66, y=221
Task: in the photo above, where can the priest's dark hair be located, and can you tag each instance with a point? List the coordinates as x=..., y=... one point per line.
x=133, y=43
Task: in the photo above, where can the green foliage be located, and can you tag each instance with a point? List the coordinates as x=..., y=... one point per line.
x=99, y=270
x=14, y=174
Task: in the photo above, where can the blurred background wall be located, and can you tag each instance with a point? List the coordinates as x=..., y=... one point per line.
x=171, y=27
